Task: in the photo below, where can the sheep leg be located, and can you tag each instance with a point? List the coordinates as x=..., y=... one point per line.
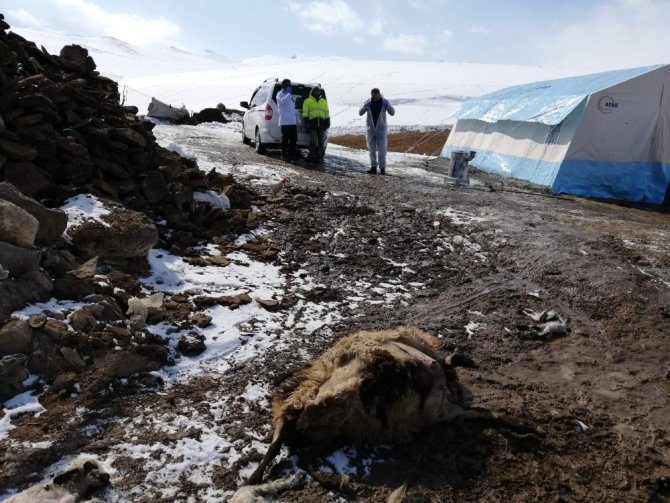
x=333, y=481
x=480, y=413
x=273, y=450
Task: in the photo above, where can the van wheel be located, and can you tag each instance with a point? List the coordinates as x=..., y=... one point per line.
x=245, y=140
x=260, y=146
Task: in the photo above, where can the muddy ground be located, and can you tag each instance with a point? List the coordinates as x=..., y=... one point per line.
x=599, y=396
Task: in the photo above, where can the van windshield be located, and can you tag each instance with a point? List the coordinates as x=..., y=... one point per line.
x=300, y=94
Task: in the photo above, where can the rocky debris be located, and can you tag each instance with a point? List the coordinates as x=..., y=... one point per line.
x=52, y=222
x=17, y=226
x=201, y=320
x=269, y=304
x=63, y=131
x=16, y=336
x=19, y=260
x=209, y=115
x=12, y=374
x=66, y=129
x=35, y=286
x=231, y=301
x=191, y=344
x=123, y=234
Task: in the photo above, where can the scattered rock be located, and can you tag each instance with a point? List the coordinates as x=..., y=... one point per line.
x=82, y=321
x=86, y=270
x=269, y=304
x=201, y=320
x=234, y=301
x=37, y=320
x=19, y=260
x=191, y=344
x=16, y=336
x=64, y=381
x=32, y=287
x=17, y=226
x=55, y=329
x=71, y=288
x=52, y=222
x=128, y=234
x=72, y=357
x=125, y=363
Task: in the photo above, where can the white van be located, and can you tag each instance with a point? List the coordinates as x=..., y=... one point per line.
x=261, y=120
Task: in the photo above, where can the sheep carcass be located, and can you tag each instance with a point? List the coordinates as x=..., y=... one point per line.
x=370, y=387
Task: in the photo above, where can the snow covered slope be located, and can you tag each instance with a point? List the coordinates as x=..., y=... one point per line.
x=425, y=93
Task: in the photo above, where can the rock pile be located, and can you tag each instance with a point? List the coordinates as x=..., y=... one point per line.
x=63, y=132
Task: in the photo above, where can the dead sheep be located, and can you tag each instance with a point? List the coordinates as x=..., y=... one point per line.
x=370, y=387
x=81, y=481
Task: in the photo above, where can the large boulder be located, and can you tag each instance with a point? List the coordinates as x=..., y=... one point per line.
x=16, y=336
x=76, y=58
x=26, y=176
x=17, y=226
x=124, y=234
x=52, y=222
x=15, y=294
x=19, y=260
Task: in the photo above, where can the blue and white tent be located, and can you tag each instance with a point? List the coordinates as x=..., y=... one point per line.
x=605, y=135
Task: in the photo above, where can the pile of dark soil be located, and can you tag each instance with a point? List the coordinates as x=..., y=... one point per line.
x=426, y=142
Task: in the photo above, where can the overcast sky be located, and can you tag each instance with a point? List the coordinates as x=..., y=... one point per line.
x=604, y=33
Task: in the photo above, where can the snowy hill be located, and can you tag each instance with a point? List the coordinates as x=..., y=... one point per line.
x=425, y=92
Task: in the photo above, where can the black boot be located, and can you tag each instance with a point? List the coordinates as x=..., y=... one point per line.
x=372, y=171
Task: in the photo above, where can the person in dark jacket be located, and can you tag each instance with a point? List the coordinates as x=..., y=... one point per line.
x=376, y=108
x=316, y=116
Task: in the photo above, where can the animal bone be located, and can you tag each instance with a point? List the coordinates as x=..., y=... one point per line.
x=265, y=493
x=141, y=307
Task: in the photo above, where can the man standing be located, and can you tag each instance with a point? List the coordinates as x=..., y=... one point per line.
x=376, y=108
x=287, y=121
x=317, y=119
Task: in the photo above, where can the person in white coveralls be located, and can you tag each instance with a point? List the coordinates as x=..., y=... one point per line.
x=287, y=121
x=376, y=108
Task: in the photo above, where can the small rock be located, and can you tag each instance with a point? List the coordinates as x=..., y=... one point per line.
x=82, y=321
x=17, y=226
x=191, y=345
x=72, y=357
x=234, y=301
x=55, y=329
x=63, y=381
x=201, y=320
x=37, y=320
x=269, y=304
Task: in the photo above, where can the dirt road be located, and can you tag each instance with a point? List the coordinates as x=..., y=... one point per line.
x=464, y=264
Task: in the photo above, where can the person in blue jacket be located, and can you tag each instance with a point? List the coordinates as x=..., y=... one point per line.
x=376, y=108
x=288, y=122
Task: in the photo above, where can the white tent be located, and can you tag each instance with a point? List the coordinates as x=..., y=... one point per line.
x=605, y=135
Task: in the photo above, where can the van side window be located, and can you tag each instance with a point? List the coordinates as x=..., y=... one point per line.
x=276, y=89
x=259, y=98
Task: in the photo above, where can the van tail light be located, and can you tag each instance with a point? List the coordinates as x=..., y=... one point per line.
x=268, y=113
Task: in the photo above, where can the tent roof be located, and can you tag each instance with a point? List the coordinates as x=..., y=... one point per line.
x=547, y=102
